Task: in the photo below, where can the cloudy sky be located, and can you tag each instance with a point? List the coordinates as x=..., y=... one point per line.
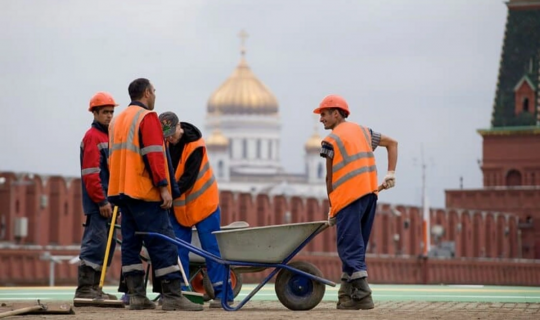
x=421, y=71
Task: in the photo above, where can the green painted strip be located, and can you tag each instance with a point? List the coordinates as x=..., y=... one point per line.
x=380, y=293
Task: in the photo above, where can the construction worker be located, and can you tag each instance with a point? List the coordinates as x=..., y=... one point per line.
x=98, y=211
x=351, y=182
x=141, y=186
x=198, y=203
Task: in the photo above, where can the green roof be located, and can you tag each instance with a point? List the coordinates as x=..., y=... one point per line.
x=519, y=58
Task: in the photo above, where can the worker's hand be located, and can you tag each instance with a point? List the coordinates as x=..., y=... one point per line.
x=389, y=180
x=166, y=197
x=331, y=220
x=106, y=210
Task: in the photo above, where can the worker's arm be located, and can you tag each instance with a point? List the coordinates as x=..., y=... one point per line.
x=151, y=136
x=327, y=151
x=391, y=146
x=191, y=170
x=329, y=179
x=90, y=169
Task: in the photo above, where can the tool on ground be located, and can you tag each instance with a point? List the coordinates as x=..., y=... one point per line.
x=39, y=309
x=104, y=303
x=194, y=297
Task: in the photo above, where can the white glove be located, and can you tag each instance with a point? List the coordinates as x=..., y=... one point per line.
x=331, y=220
x=389, y=180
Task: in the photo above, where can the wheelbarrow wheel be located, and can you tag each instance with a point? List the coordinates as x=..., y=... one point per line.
x=198, y=282
x=236, y=283
x=296, y=291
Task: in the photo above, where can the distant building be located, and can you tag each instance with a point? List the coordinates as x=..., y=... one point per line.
x=511, y=147
x=245, y=137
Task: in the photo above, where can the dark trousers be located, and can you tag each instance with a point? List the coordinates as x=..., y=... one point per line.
x=354, y=223
x=145, y=216
x=94, y=241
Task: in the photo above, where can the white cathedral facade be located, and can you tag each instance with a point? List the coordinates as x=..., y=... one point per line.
x=244, y=141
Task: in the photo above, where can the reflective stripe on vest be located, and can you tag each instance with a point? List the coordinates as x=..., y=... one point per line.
x=193, y=196
x=202, y=199
x=129, y=175
x=354, y=173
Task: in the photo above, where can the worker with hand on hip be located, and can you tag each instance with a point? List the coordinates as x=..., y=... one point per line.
x=94, y=152
x=352, y=186
x=198, y=203
x=140, y=184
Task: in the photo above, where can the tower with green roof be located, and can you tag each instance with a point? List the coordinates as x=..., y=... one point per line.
x=511, y=146
x=509, y=158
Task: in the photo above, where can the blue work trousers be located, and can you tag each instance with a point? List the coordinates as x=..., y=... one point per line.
x=354, y=223
x=94, y=241
x=138, y=215
x=216, y=271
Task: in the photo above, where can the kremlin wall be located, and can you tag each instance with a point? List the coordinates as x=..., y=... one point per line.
x=42, y=215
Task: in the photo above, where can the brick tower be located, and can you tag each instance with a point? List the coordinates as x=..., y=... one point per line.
x=511, y=147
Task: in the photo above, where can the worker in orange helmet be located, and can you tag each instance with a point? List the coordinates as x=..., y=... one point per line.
x=352, y=186
x=98, y=211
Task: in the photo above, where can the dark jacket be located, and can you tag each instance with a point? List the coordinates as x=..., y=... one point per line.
x=193, y=163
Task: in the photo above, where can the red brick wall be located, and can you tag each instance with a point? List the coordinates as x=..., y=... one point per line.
x=524, y=202
x=396, y=232
x=24, y=267
x=503, y=153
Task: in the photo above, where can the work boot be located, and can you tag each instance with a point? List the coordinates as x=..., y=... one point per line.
x=137, y=293
x=173, y=298
x=85, y=283
x=344, y=293
x=105, y=296
x=216, y=303
x=360, y=296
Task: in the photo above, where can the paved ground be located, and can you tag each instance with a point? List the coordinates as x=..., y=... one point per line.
x=392, y=302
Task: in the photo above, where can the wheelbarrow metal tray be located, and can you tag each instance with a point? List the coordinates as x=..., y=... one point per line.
x=270, y=244
x=196, y=242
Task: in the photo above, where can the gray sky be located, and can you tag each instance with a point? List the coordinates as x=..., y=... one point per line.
x=420, y=71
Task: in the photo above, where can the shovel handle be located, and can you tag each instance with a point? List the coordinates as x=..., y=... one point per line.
x=21, y=311
x=108, y=248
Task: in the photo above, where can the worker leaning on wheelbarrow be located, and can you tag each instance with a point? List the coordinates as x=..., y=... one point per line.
x=351, y=182
x=198, y=204
x=98, y=211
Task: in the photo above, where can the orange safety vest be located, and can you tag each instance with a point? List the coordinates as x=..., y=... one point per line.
x=354, y=173
x=202, y=199
x=129, y=175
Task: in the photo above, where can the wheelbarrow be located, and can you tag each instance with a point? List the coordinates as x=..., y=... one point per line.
x=299, y=285
x=199, y=281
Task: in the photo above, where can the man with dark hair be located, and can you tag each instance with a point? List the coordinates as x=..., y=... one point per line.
x=98, y=211
x=137, y=88
x=140, y=183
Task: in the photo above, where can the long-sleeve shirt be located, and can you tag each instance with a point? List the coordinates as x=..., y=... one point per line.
x=151, y=134
x=94, y=151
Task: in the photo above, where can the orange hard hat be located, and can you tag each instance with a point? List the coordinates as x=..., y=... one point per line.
x=333, y=101
x=101, y=99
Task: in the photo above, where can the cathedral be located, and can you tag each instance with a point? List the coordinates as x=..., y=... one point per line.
x=244, y=124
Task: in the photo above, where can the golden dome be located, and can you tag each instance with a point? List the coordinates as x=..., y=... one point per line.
x=217, y=139
x=314, y=143
x=243, y=93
